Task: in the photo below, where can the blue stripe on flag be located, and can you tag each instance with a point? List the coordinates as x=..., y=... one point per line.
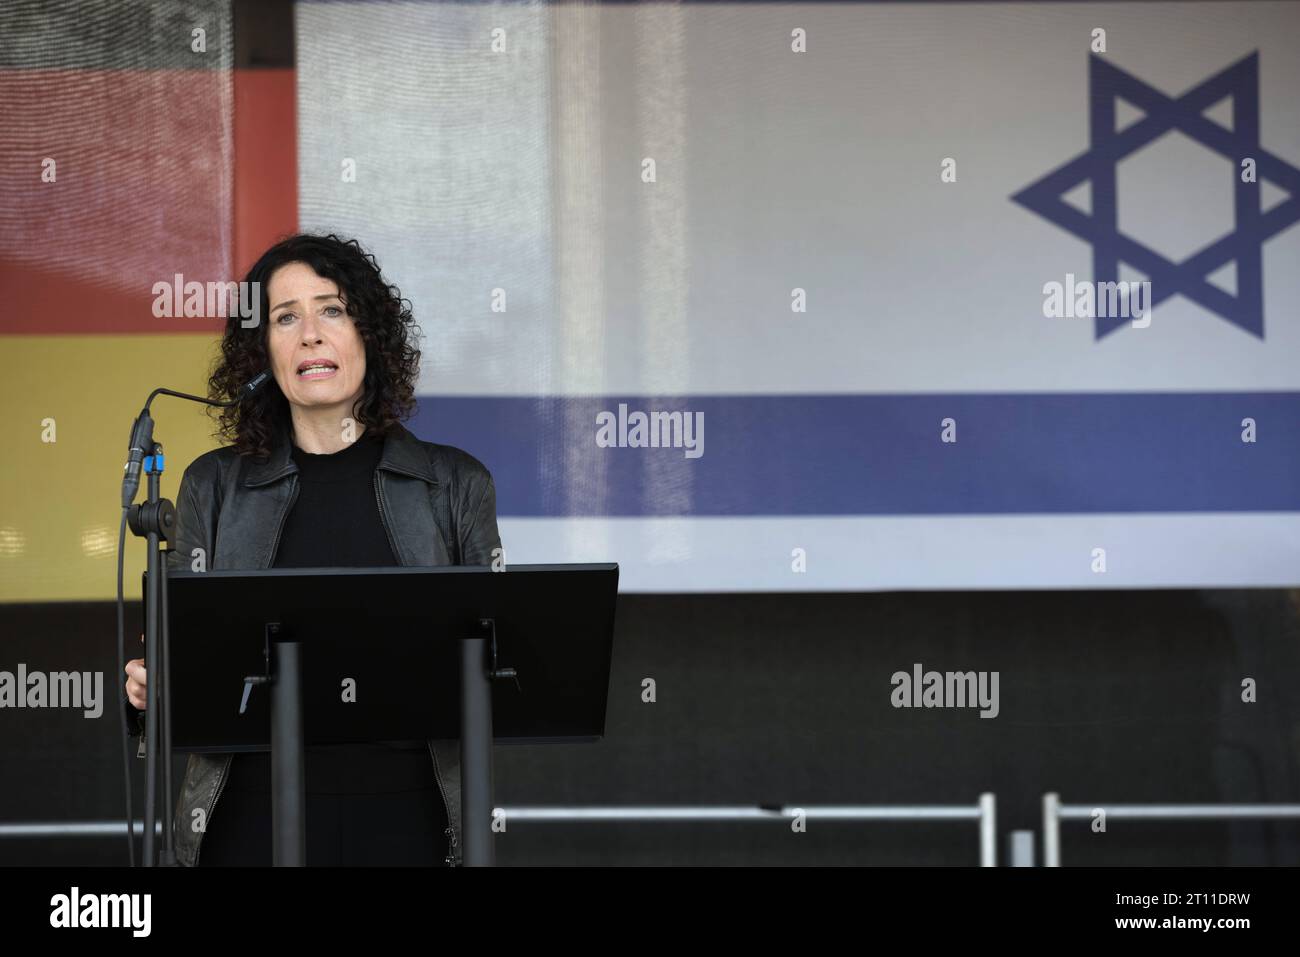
x=882, y=454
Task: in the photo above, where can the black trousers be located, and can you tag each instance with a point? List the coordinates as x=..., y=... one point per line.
x=397, y=828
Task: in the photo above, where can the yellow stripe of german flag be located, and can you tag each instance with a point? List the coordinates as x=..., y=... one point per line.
x=60, y=500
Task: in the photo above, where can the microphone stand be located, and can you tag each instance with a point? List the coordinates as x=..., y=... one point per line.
x=155, y=521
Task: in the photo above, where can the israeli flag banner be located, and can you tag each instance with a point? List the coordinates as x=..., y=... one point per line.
x=832, y=297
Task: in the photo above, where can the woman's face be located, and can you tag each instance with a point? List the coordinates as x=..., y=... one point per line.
x=309, y=326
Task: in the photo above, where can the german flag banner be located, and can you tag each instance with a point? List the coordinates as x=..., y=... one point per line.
x=147, y=155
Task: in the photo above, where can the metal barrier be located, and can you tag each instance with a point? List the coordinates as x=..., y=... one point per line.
x=985, y=812
x=73, y=829
x=1054, y=812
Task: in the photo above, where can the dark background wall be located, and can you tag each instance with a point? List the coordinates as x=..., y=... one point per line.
x=1106, y=697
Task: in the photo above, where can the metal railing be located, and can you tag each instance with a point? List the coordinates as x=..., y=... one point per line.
x=1054, y=812
x=73, y=829
x=984, y=812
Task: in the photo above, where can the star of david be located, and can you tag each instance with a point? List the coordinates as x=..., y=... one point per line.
x=1252, y=226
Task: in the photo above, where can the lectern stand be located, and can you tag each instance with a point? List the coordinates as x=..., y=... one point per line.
x=290, y=658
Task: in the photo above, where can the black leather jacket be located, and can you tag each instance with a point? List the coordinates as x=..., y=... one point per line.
x=438, y=506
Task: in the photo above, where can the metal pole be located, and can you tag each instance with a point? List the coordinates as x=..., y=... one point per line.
x=51, y=829
x=288, y=773
x=476, y=753
x=1022, y=849
x=152, y=716
x=988, y=830
x=699, y=814
x=168, y=854
x=1052, y=829
x=1183, y=812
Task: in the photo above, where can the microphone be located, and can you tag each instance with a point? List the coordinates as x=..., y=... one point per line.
x=251, y=387
x=142, y=430
x=141, y=438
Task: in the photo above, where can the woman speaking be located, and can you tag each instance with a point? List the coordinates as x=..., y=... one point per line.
x=320, y=472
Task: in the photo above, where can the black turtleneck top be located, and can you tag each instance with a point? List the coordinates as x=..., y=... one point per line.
x=335, y=522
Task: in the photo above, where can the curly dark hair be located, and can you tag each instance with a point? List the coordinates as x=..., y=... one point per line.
x=382, y=317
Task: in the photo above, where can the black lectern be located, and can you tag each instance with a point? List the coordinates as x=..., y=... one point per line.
x=299, y=656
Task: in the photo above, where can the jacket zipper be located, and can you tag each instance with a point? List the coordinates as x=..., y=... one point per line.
x=225, y=770
x=207, y=813
x=449, y=830
x=275, y=543
x=383, y=519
